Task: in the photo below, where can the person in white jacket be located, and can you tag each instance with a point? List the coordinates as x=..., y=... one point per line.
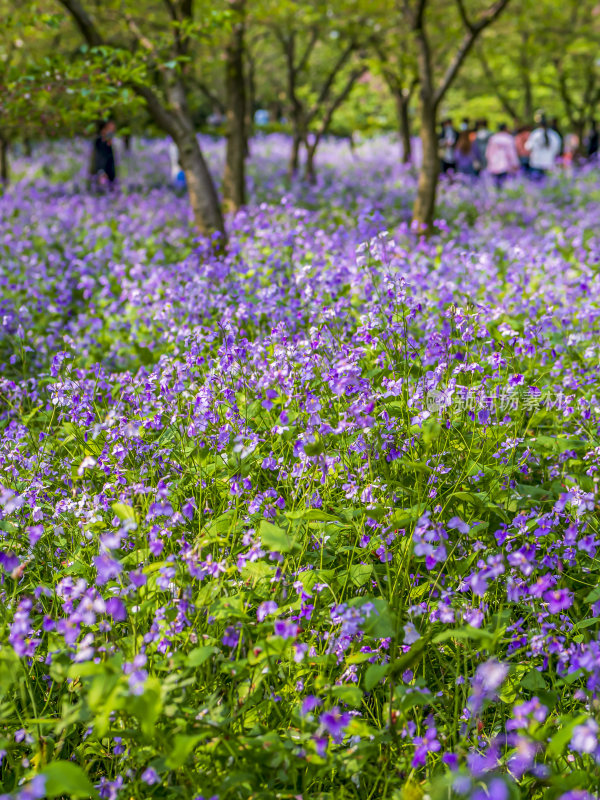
x=177, y=173
x=544, y=146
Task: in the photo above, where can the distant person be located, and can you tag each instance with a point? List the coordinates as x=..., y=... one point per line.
x=177, y=173
x=592, y=141
x=543, y=145
x=521, y=137
x=482, y=137
x=447, y=143
x=464, y=125
x=463, y=155
x=571, y=151
x=261, y=117
x=103, y=170
x=501, y=156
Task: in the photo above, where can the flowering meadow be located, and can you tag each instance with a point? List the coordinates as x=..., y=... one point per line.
x=314, y=519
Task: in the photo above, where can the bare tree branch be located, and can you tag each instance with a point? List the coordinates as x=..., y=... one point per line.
x=337, y=101
x=504, y=101
x=328, y=84
x=473, y=32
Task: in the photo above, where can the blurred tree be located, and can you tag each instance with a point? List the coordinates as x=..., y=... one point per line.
x=436, y=76
x=157, y=43
x=540, y=55
x=396, y=61
x=322, y=57
x=234, y=180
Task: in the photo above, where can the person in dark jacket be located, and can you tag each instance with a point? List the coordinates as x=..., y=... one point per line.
x=103, y=169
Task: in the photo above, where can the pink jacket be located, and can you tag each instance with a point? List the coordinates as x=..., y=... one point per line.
x=501, y=153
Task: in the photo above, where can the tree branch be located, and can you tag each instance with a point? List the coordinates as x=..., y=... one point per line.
x=327, y=86
x=338, y=100
x=504, y=101
x=474, y=30
x=84, y=22
x=214, y=99
x=309, y=48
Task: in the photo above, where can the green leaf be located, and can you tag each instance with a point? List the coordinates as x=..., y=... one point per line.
x=593, y=595
x=65, y=777
x=559, y=740
x=533, y=681
x=410, y=659
x=351, y=695
x=431, y=431
x=275, y=538
x=312, y=514
x=183, y=746
x=123, y=511
x=379, y=621
x=144, y=354
x=374, y=674
x=199, y=655
x=468, y=632
x=360, y=573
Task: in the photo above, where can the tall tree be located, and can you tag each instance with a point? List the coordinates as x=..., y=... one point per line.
x=396, y=62
x=234, y=180
x=433, y=89
x=163, y=87
x=322, y=60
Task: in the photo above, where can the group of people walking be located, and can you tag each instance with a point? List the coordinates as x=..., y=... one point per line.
x=533, y=150
x=468, y=151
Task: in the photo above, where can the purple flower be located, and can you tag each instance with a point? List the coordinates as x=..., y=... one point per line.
x=108, y=569
x=9, y=561
x=458, y=524
x=285, y=629
x=266, y=608
x=188, y=508
x=488, y=678
x=150, y=776
x=231, y=636
x=411, y=634
x=585, y=737
x=309, y=704
x=558, y=600
x=116, y=609
x=495, y=790
x=35, y=789
x=335, y=722
x=425, y=744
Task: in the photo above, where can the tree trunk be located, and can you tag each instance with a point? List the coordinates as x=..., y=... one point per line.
x=201, y=189
x=4, y=167
x=527, y=99
x=403, y=126
x=234, y=180
x=27, y=147
x=424, y=207
x=294, y=162
x=250, y=100
x=310, y=172
x=127, y=142
x=177, y=121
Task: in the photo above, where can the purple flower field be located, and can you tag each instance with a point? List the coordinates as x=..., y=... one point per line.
x=315, y=519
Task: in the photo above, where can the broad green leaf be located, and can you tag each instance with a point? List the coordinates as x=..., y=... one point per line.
x=65, y=777
x=275, y=538
x=374, y=674
x=199, y=655
x=123, y=511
